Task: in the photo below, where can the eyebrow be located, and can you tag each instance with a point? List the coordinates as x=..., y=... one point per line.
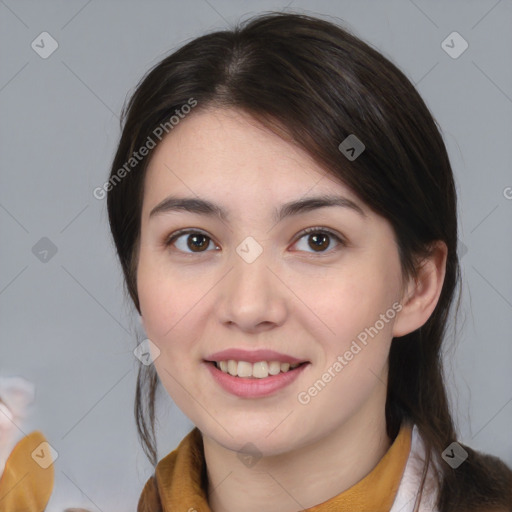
x=205, y=207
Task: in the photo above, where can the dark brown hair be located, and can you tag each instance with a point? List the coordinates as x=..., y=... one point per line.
x=315, y=83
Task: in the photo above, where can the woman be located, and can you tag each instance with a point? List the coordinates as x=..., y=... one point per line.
x=285, y=215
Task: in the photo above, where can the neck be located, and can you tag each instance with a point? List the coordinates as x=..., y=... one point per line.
x=303, y=477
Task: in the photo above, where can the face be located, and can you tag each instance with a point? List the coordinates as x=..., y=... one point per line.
x=328, y=298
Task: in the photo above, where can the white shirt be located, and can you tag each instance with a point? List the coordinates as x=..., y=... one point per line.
x=410, y=483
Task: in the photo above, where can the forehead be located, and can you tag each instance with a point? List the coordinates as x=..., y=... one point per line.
x=221, y=150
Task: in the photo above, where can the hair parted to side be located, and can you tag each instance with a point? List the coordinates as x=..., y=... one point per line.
x=314, y=83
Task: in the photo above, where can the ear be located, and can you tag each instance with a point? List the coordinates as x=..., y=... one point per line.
x=422, y=293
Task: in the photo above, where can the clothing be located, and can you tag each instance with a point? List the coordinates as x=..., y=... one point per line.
x=16, y=394
x=180, y=483
x=27, y=481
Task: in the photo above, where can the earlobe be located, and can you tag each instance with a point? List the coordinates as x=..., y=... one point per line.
x=423, y=292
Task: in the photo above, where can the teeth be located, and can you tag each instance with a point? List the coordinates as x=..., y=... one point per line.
x=258, y=370
x=232, y=367
x=274, y=367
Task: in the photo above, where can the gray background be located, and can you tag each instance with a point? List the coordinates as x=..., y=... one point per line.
x=65, y=325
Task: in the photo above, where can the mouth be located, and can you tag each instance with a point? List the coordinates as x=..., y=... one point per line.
x=257, y=370
x=255, y=380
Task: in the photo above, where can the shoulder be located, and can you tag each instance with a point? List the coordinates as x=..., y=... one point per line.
x=481, y=483
x=149, y=500
x=178, y=467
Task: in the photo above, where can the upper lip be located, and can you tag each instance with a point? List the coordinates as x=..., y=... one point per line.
x=252, y=356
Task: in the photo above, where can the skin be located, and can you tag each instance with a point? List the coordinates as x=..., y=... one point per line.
x=305, y=303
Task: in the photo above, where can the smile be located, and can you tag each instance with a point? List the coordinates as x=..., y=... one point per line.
x=248, y=385
x=258, y=370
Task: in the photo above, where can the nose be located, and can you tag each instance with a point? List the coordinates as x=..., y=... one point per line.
x=253, y=296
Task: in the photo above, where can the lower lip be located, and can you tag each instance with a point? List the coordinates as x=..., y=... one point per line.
x=254, y=388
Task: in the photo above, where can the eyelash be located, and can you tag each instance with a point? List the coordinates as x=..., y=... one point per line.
x=174, y=236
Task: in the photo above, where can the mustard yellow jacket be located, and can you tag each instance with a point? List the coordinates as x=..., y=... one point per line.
x=27, y=481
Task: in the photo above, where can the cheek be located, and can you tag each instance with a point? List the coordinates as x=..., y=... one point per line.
x=160, y=299
x=354, y=360
x=357, y=307
x=155, y=300
x=174, y=304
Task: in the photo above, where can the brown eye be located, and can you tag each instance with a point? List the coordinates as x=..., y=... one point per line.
x=320, y=239
x=195, y=241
